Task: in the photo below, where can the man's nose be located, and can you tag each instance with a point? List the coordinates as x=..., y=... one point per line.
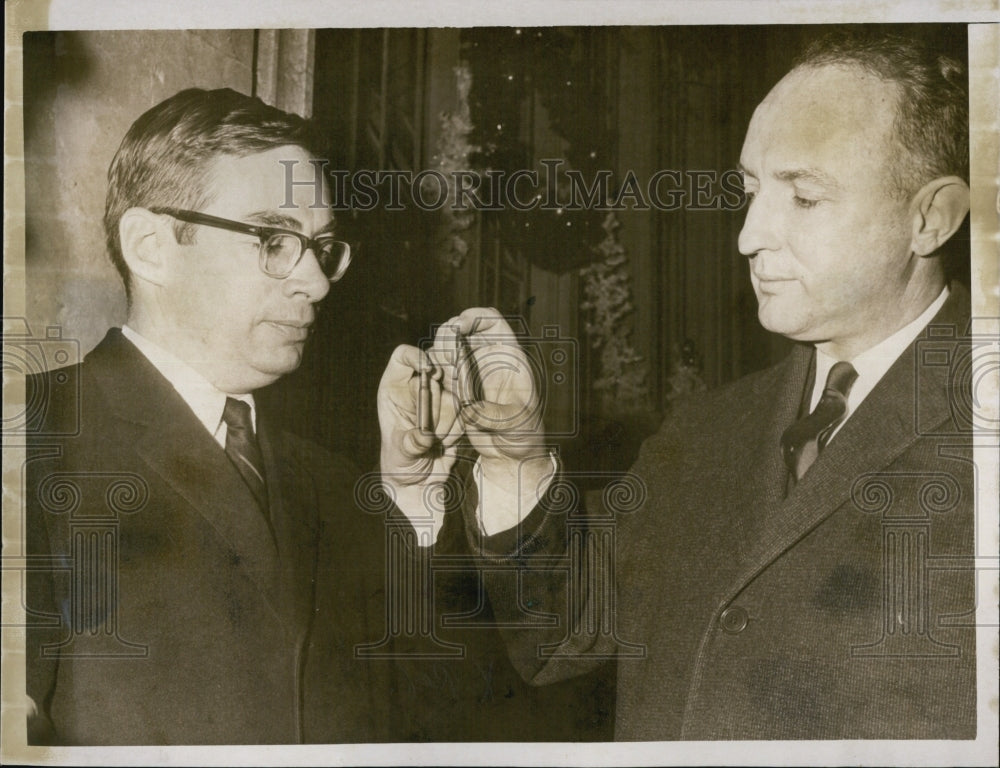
x=759, y=231
x=308, y=279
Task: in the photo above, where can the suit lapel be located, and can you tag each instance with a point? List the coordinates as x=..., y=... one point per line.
x=761, y=474
x=177, y=447
x=882, y=428
x=293, y=500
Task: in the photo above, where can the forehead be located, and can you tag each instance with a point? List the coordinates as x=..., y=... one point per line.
x=280, y=180
x=835, y=118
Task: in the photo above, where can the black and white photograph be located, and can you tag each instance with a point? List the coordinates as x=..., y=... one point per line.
x=485, y=386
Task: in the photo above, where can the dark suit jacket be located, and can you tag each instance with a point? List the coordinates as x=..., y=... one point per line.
x=162, y=609
x=842, y=610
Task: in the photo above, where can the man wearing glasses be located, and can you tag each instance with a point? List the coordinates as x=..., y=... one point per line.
x=188, y=597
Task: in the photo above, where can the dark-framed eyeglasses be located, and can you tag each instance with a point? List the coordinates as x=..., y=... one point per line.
x=280, y=249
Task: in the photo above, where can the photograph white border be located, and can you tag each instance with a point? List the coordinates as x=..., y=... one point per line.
x=25, y=15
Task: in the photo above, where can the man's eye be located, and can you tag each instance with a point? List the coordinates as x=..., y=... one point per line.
x=804, y=202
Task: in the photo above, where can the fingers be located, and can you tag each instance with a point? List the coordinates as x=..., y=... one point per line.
x=406, y=361
x=400, y=393
x=475, y=378
x=505, y=418
x=414, y=443
x=443, y=413
x=480, y=320
x=401, y=381
x=476, y=346
x=414, y=413
x=479, y=326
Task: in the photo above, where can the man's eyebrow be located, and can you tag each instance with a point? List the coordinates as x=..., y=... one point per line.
x=273, y=219
x=327, y=229
x=283, y=221
x=808, y=174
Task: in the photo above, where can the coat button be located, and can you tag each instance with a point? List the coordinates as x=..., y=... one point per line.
x=734, y=620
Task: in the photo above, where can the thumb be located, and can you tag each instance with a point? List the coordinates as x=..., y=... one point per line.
x=500, y=417
x=415, y=443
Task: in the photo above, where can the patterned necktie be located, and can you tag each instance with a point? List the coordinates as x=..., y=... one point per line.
x=803, y=441
x=242, y=448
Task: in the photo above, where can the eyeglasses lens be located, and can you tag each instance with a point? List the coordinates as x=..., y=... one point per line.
x=281, y=254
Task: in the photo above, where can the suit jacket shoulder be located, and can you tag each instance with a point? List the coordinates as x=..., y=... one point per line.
x=210, y=617
x=765, y=610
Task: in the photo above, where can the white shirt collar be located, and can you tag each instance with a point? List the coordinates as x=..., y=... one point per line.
x=873, y=364
x=205, y=400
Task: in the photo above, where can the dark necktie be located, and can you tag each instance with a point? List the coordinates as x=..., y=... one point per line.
x=242, y=448
x=803, y=441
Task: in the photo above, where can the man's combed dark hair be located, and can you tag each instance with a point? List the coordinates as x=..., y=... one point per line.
x=932, y=118
x=166, y=156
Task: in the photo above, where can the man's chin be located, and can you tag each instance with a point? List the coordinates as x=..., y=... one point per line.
x=282, y=363
x=776, y=321
x=263, y=372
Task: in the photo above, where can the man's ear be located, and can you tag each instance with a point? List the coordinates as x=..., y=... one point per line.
x=938, y=210
x=144, y=238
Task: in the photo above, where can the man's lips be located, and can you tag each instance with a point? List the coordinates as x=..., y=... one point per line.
x=772, y=282
x=297, y=330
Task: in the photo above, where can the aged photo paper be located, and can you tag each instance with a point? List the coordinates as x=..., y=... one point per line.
x=203, y=563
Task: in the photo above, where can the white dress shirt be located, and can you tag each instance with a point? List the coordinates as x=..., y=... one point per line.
x=202, y=398
x=873, y=364
x=498, y=510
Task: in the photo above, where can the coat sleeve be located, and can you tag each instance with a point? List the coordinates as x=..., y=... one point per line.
x=550, y=582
